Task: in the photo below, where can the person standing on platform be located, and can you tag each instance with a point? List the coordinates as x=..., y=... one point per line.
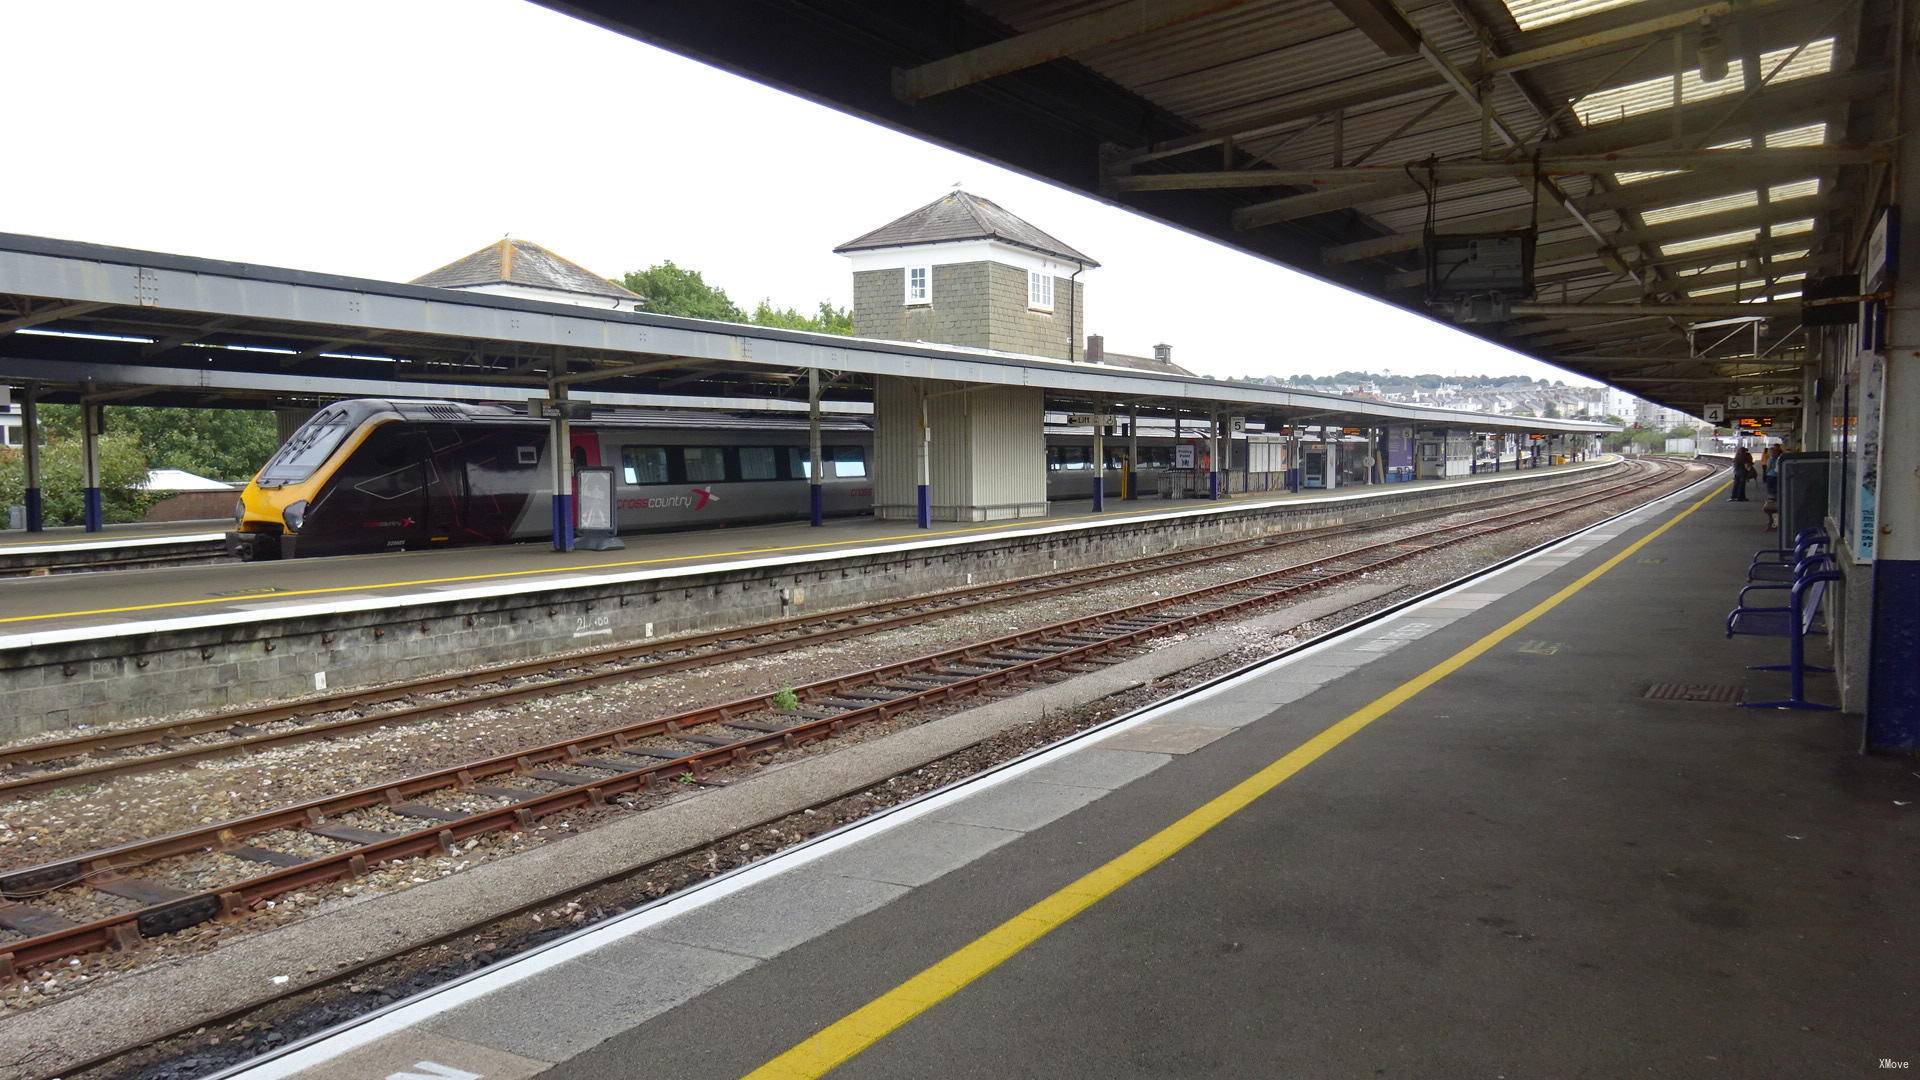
x=1770, y=475
x=1742, y=472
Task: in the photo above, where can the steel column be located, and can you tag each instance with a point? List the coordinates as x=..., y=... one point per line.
x=90, y=426
x=1893, y=642
x=1133, y=453
x=923, y=451
x=816, y=495
x=1100, y=457
x=560, y=444
x=30, y=429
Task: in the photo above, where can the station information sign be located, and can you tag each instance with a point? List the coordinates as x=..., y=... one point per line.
x=1753, y=402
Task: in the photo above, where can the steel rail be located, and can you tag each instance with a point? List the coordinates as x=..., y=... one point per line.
x=804, y=630
x=1002, y=657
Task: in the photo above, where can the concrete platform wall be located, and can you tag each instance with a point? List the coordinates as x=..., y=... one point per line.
x=54, y=687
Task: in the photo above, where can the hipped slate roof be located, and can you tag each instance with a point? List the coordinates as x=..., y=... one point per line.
x=522, y=262
x=958, y=216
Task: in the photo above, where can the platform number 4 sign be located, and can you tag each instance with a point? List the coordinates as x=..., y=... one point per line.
x=1714, y=414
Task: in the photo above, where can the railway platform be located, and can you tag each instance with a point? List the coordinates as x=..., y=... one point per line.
x=147, y=601
x=1482, y=835
x=140, y=643
x=137, y=544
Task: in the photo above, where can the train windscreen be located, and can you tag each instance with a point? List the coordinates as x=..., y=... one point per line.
x=309, y=447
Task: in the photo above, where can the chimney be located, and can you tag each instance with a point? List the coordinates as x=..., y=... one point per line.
x=1096, y=348
x=1163, y=353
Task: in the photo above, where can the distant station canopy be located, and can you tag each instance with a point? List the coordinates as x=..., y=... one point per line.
x=522, y=268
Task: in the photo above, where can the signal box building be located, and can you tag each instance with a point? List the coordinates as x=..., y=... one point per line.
x=962, y=270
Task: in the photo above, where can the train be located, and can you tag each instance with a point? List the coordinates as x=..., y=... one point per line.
x=372, y=475
x=384, y=475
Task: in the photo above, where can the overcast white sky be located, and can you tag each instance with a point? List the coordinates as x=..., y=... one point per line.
x=383, y=139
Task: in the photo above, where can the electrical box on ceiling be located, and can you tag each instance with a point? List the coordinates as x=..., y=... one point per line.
x=1461, y=265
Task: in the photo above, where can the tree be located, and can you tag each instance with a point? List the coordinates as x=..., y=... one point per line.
x=671, y=290
x=829, y=320
x=123, y=472
x=1550, y=410
x=224, y=444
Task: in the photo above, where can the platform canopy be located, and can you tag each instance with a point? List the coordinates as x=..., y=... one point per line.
x=114, y=324
x=1673, y=164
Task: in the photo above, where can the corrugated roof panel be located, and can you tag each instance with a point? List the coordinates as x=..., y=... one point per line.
x=1791, y=228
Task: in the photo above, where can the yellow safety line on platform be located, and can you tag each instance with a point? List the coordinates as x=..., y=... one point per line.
x=840, y=1041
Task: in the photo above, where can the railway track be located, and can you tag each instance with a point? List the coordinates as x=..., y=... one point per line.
x=93, y=757
x=591, y=770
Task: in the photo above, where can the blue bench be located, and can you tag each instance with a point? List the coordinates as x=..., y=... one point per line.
x=1783, y=564
x=1795, y=622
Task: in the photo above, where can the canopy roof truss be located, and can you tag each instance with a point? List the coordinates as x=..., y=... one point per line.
x=1679, y=158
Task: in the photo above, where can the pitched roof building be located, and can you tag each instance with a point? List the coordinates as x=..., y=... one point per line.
x=523, y=268
x=957, y=217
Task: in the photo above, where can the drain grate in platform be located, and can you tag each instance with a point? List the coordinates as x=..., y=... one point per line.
x=1672, y=691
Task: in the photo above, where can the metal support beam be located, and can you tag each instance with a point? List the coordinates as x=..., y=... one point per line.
x=1688, y=229
x=1802, y=158
x=1602, y=40
x=47, y=315
x=1790, y=309
x=1383, y=25
x=620, y=371
x=1053, y=42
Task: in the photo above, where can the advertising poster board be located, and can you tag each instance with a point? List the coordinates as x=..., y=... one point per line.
x=593, y=510
x=1399, y=453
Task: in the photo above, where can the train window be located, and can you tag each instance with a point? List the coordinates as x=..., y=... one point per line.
x=307, y=450
x=705, y=463
x=848, y=461
x=759, y=463
x=644, y=464
x=799, y=462
x=1072, y=457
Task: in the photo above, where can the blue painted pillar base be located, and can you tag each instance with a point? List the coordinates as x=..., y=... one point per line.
x=924, y=514
x=816, y=504
x=1132, y=484
x=96, y=517
x=1099, y=494
x=1293, y=480
x=1213, y=485
x=35, y=518
x=1893, y=675
x=563, y=523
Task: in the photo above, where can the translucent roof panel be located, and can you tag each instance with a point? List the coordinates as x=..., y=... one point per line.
x=1737, y=201
x=1650, y=95
x=1726, y=239
x=1799, y=189
x=1809, y=135
x=1815, y=59
x=1806, y=135
x=1532, y=14
x=1792, y=228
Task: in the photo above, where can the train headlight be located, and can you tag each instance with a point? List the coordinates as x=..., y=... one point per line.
x=239, y=510
x=295, y=515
